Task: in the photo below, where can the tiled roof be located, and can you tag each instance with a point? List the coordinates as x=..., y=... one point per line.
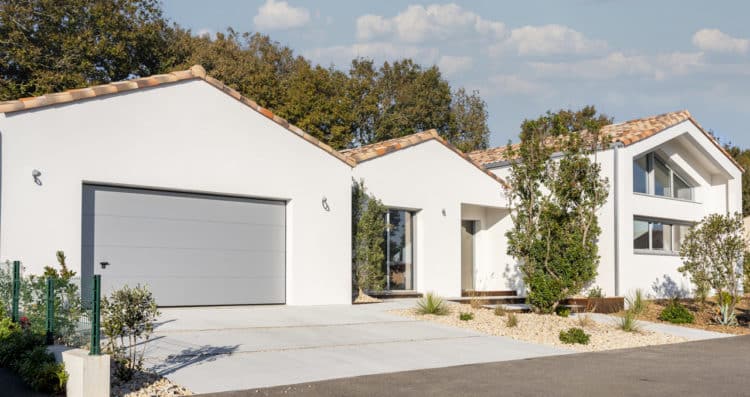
x=375, y=150
x=628, y=133
x=195, y=72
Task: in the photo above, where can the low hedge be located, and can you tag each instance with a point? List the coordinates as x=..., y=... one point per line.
x=24, y=353
x=676, y=313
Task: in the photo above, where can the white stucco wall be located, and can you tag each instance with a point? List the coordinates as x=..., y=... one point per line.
x=719, y=190
x=187, y=136
x=430, y=178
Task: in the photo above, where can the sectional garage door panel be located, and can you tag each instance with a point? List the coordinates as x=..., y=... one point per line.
x=189, y=249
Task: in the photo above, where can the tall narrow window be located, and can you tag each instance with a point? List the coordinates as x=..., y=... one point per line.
x=640, y=235
x=662, y=179
x=681, y=189
x=399, y=250
x=640, y=175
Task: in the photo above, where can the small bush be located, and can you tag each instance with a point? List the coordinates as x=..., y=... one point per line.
x=465, y=316
x=7, y=329
x=628, y=322
x=432, y=304
x=512, y=320
x=636, y=302
x=573, y=336
x=40, y=371
x=595, y=292
x=476, y=300
x=562, y=311
x=500, y=310
x=676, y=313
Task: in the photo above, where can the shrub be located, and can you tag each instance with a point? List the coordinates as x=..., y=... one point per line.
x=676, y=313
x=628, y=322
x=368, y=224
x=39, y=370
x=499, y=310
x=573, y=336
x=476, y=300
x=466, y=316
x=595, y=292
x=431, y=304
x=15, y=345
x=512, y=320
x=128, y=316
x=562, y=311
x=636, y=302
x=7, y=329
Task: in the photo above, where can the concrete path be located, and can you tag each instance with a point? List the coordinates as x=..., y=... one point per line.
x=717, y=368
x=232, y=348
x=676, y=330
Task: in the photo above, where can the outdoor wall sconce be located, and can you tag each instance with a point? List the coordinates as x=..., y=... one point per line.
x=443, y=211
x=324, y=202
x=36, y=174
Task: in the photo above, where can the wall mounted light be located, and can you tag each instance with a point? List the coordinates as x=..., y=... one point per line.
x=443, y=211
x=36, y=174
x=324, y=202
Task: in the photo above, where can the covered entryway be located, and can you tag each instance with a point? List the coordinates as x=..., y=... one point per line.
x=189, y=249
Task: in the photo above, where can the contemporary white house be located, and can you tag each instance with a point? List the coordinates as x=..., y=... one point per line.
x=666, y=173
x=179, y=182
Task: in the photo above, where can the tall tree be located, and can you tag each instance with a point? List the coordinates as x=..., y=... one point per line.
x=48, y=45
x=742, y=156
x=554, y=204
x=468, y=130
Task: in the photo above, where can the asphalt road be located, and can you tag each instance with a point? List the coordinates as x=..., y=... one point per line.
x=718, y=367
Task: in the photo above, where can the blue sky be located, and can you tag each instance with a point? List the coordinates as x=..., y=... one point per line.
x=629, y=58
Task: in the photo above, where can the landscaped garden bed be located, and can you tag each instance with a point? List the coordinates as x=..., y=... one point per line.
x=544, y=329
x=704, y=315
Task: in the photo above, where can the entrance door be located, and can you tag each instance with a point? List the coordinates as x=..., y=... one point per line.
x=468, y=230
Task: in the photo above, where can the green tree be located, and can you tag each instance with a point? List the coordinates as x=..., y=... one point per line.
x=742, y=156
x=712, y=255
x=368, y=237
x=554, y=203
x=48, y=46
x=468, y=130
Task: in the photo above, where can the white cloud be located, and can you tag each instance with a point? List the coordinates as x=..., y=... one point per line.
x=514, y=84
x=718, y=41
x=378, y=51
x=618, y=64
x=418, y=23
x=548, y=40
x=279, y=15
x=451, y=65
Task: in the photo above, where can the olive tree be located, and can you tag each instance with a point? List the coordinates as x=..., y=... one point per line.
x=712, y=255
x=556, y=189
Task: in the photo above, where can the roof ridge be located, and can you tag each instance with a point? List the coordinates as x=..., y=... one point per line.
x=195, y=72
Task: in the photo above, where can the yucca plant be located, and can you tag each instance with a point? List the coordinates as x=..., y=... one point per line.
x=431, y=304
x=628, y=322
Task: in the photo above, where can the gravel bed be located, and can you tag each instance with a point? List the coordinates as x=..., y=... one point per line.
x=145, y=384
x=545, y=329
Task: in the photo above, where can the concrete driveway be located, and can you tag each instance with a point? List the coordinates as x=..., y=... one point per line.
x=231, y=348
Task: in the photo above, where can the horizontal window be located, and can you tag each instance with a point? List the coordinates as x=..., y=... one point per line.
x=656, y=235
x=651, y=175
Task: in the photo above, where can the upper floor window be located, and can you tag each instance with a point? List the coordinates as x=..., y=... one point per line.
x=651, y=175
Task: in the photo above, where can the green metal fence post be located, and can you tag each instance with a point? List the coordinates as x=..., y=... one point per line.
x=95, y=311
x=16, y=290
x=50, y=310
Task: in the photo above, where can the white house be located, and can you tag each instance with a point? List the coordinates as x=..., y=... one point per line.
x=178, y=182
x=665, y=174
x=447, y=214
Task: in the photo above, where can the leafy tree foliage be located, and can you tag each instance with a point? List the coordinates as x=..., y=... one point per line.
x=742, y=156
x=48, y=46
x=368, y=236
x=712, y=255
x=554, y=203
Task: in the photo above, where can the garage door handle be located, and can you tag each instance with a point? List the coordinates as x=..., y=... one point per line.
x=104, y=264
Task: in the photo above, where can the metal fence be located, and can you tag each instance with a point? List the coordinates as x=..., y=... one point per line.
x=53, y=305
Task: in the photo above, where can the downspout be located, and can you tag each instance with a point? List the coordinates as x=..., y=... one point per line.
x=616, y=203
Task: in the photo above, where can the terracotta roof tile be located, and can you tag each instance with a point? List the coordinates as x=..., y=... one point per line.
x=628, y=132
x=195, y=72
x=375, y=150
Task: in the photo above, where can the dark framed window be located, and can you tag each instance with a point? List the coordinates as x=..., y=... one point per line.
x=652, y=175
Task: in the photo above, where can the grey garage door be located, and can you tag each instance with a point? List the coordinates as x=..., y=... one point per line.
x=189, y=249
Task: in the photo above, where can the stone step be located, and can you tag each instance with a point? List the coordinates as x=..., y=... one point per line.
x=469, y=293
x=490, y=300
x=394, y=294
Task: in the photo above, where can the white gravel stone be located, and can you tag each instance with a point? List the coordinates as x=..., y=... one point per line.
x=146, y=384
x=545, y=329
